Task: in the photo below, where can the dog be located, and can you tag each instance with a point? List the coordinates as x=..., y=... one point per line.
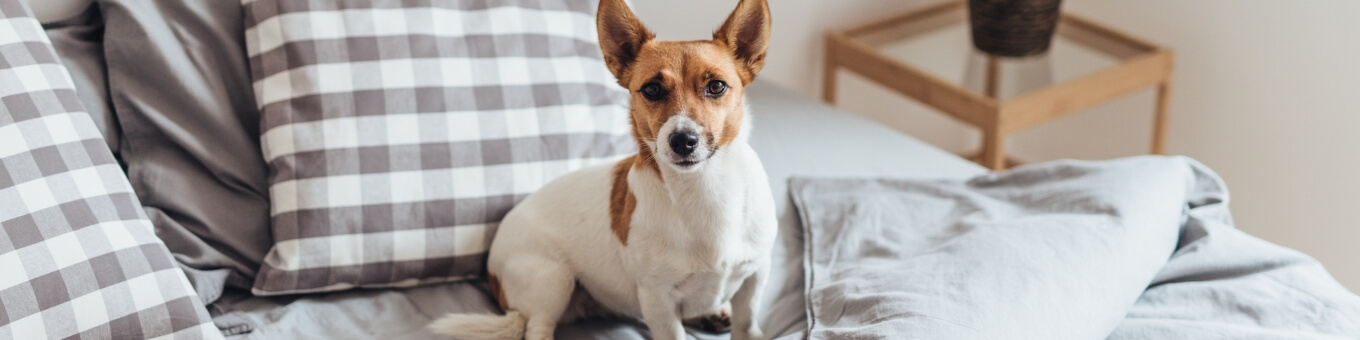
x=682, y=230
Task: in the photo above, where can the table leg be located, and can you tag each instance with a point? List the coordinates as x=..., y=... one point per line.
x=993, y=154
x=993, y=76
x=1159, y=121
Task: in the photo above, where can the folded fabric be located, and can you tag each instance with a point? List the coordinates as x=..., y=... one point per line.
x=179, y=86
x=1224, y=284
x=1063, y=250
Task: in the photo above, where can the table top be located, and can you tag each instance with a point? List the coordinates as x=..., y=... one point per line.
x=926, y=54
x=937, y=40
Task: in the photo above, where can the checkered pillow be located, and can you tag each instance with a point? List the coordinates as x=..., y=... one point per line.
x=398, y=133
x=78, y=258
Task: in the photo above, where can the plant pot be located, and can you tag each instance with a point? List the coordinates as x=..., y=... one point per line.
x=1013, y=28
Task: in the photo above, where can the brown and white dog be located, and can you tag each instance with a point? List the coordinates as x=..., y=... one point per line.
x=681, y=230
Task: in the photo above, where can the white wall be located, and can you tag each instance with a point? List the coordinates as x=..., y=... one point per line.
x=1266, y=92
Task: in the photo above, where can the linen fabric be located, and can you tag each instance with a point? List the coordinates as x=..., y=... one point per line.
x=398, y=133
x=179, y=86
x=1135, y=248
x=78, y=257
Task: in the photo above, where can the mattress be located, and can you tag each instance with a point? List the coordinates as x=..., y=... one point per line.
x=794, y=136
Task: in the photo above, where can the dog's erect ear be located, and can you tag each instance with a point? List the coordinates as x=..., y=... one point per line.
x=747, y=34
x=621, y=36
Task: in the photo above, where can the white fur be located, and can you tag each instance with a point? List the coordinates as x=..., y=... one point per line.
x=699, y=238
x=665, y=154
x=481, y=326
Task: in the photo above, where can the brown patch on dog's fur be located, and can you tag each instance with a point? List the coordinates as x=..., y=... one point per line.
x=746, y=34
x=494, y=283
x=684, y=69
x=621, y=200
x=625, y=37
x=645, y=158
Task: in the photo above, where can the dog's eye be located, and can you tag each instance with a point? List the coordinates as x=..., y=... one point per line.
x=715, y=88
x=652, y=91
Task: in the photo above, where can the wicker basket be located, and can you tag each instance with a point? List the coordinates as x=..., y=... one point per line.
x=1013, y=28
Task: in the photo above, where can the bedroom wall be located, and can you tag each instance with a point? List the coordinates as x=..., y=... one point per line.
x=1266, y=92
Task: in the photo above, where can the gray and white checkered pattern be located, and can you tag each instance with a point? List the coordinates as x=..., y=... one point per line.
x=398, y=133
x=78, y=258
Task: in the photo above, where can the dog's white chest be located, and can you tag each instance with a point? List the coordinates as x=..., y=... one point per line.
x=700, y=238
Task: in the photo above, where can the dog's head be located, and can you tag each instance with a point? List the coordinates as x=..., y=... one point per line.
x=687, y=96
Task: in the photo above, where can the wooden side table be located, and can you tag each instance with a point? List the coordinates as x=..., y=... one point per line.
x=1139, y=65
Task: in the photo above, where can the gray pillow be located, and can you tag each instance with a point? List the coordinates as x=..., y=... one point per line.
x=180, y=90
x=78, y=258
x=1133, y=248
x=399, y=133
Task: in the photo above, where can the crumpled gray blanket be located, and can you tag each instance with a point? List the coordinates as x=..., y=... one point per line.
x=1137, y=248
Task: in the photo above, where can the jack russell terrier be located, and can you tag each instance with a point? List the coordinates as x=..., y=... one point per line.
x=680, y=231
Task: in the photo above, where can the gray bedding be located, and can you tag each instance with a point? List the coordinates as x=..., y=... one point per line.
x=1139, y=248
x=1134, y=249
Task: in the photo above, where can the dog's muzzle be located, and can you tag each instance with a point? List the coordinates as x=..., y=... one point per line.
x=682, y=143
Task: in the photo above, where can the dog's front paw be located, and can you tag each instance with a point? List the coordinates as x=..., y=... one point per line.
x=718, y=322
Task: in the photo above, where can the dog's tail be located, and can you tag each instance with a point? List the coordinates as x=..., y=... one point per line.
x=481, y=326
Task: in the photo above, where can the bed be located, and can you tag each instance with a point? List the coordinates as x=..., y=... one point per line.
x=881, y=235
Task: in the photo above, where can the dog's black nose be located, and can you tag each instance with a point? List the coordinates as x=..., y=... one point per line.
x=683, y=143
